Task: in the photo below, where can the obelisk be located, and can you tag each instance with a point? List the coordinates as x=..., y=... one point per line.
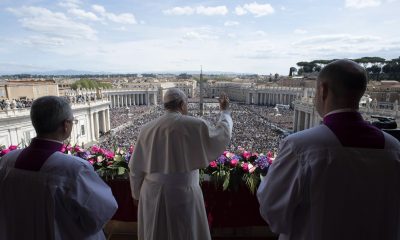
x=201, y=92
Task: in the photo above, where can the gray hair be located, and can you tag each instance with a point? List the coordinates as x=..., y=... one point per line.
x=48, y=113
x=174, y=98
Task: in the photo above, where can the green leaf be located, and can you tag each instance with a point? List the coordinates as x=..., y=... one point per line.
x=225, y=185
x=121, y=171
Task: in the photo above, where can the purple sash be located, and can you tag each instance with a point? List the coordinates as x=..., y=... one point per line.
x=352, y=131
x=33, y=157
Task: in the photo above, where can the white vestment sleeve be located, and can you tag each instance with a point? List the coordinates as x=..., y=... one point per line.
x=225, y=121
x=280, y=192
x=136, y=179
x=217, y=138
x=92, y=200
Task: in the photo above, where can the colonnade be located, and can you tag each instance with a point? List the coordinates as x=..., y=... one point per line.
x=275, y=95
x=131, y=99
x=305, y=118
x=275, y=98
x=99, y=122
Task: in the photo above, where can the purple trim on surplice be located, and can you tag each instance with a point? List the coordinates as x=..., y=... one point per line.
x=33, y=157
x=352, y=131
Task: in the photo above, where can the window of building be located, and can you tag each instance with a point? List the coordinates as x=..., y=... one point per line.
x=82, y=130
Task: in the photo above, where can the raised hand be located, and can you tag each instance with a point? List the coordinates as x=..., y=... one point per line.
x=223, y=102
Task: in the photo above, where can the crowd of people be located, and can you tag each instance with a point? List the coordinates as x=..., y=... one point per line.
x=6, y=104
x=252, y=128
x=121, y=116
x=281, y=117
x=133, y=118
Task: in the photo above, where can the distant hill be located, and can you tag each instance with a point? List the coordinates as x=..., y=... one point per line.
x=72, y=72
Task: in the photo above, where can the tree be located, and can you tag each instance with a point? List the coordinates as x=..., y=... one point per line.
x=89, y=84
x=308, y=67
x=375, y=70
x=292, y=71
x=184, y=76
x=317, y=68
x=392, y=69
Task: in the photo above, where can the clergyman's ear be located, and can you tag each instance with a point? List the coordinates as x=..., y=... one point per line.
x=324, y=89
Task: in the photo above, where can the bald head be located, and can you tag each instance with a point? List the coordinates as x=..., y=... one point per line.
x=174, y=98
x=345, y=79
x=340, y=85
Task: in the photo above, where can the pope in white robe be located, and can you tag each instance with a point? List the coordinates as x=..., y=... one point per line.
x=164, y=171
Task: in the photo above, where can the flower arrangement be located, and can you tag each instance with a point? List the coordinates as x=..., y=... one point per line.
x=108, y=164
x=4, y=150
x=229, y=170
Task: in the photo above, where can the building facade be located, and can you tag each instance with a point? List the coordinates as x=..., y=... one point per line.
x=130, y=97
x=28, y=89
x=91, y=119
x=306, y=116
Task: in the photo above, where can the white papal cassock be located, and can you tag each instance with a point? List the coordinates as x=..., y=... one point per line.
x=165, y=177
x=64, y=200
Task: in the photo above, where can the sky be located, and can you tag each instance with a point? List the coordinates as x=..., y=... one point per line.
x=244, y=36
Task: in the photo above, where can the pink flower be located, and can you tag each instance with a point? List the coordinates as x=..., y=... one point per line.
x=255, y=155
x=269, y=154
x=69, y=148
x=91, y=161
x=64, y=147
x=225, y=153
x=251, y=168
x=4, y=151
x=100, y=159
x=270, y=160
x=95, y=149
x=234, y=162
x=245, y=167
x=77, y=149
x=246, y=154
x=109, y=155
x=131, y=148
x=12, y=147
x=213, y=164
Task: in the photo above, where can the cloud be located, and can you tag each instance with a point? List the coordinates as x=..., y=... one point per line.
x=179, y=11
x=260, y=33
x=344, y=45
x=82, y=14
x=201, y=10
x=45, y=41
x=258, y=10
x=124, y=18
x=231, y=23
x=240, y=11
x=44, y=21
x=209, y=11
x=194, y=35
x=70, y=3
x=299, y=31
x=358, y=4
x=336, y=38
